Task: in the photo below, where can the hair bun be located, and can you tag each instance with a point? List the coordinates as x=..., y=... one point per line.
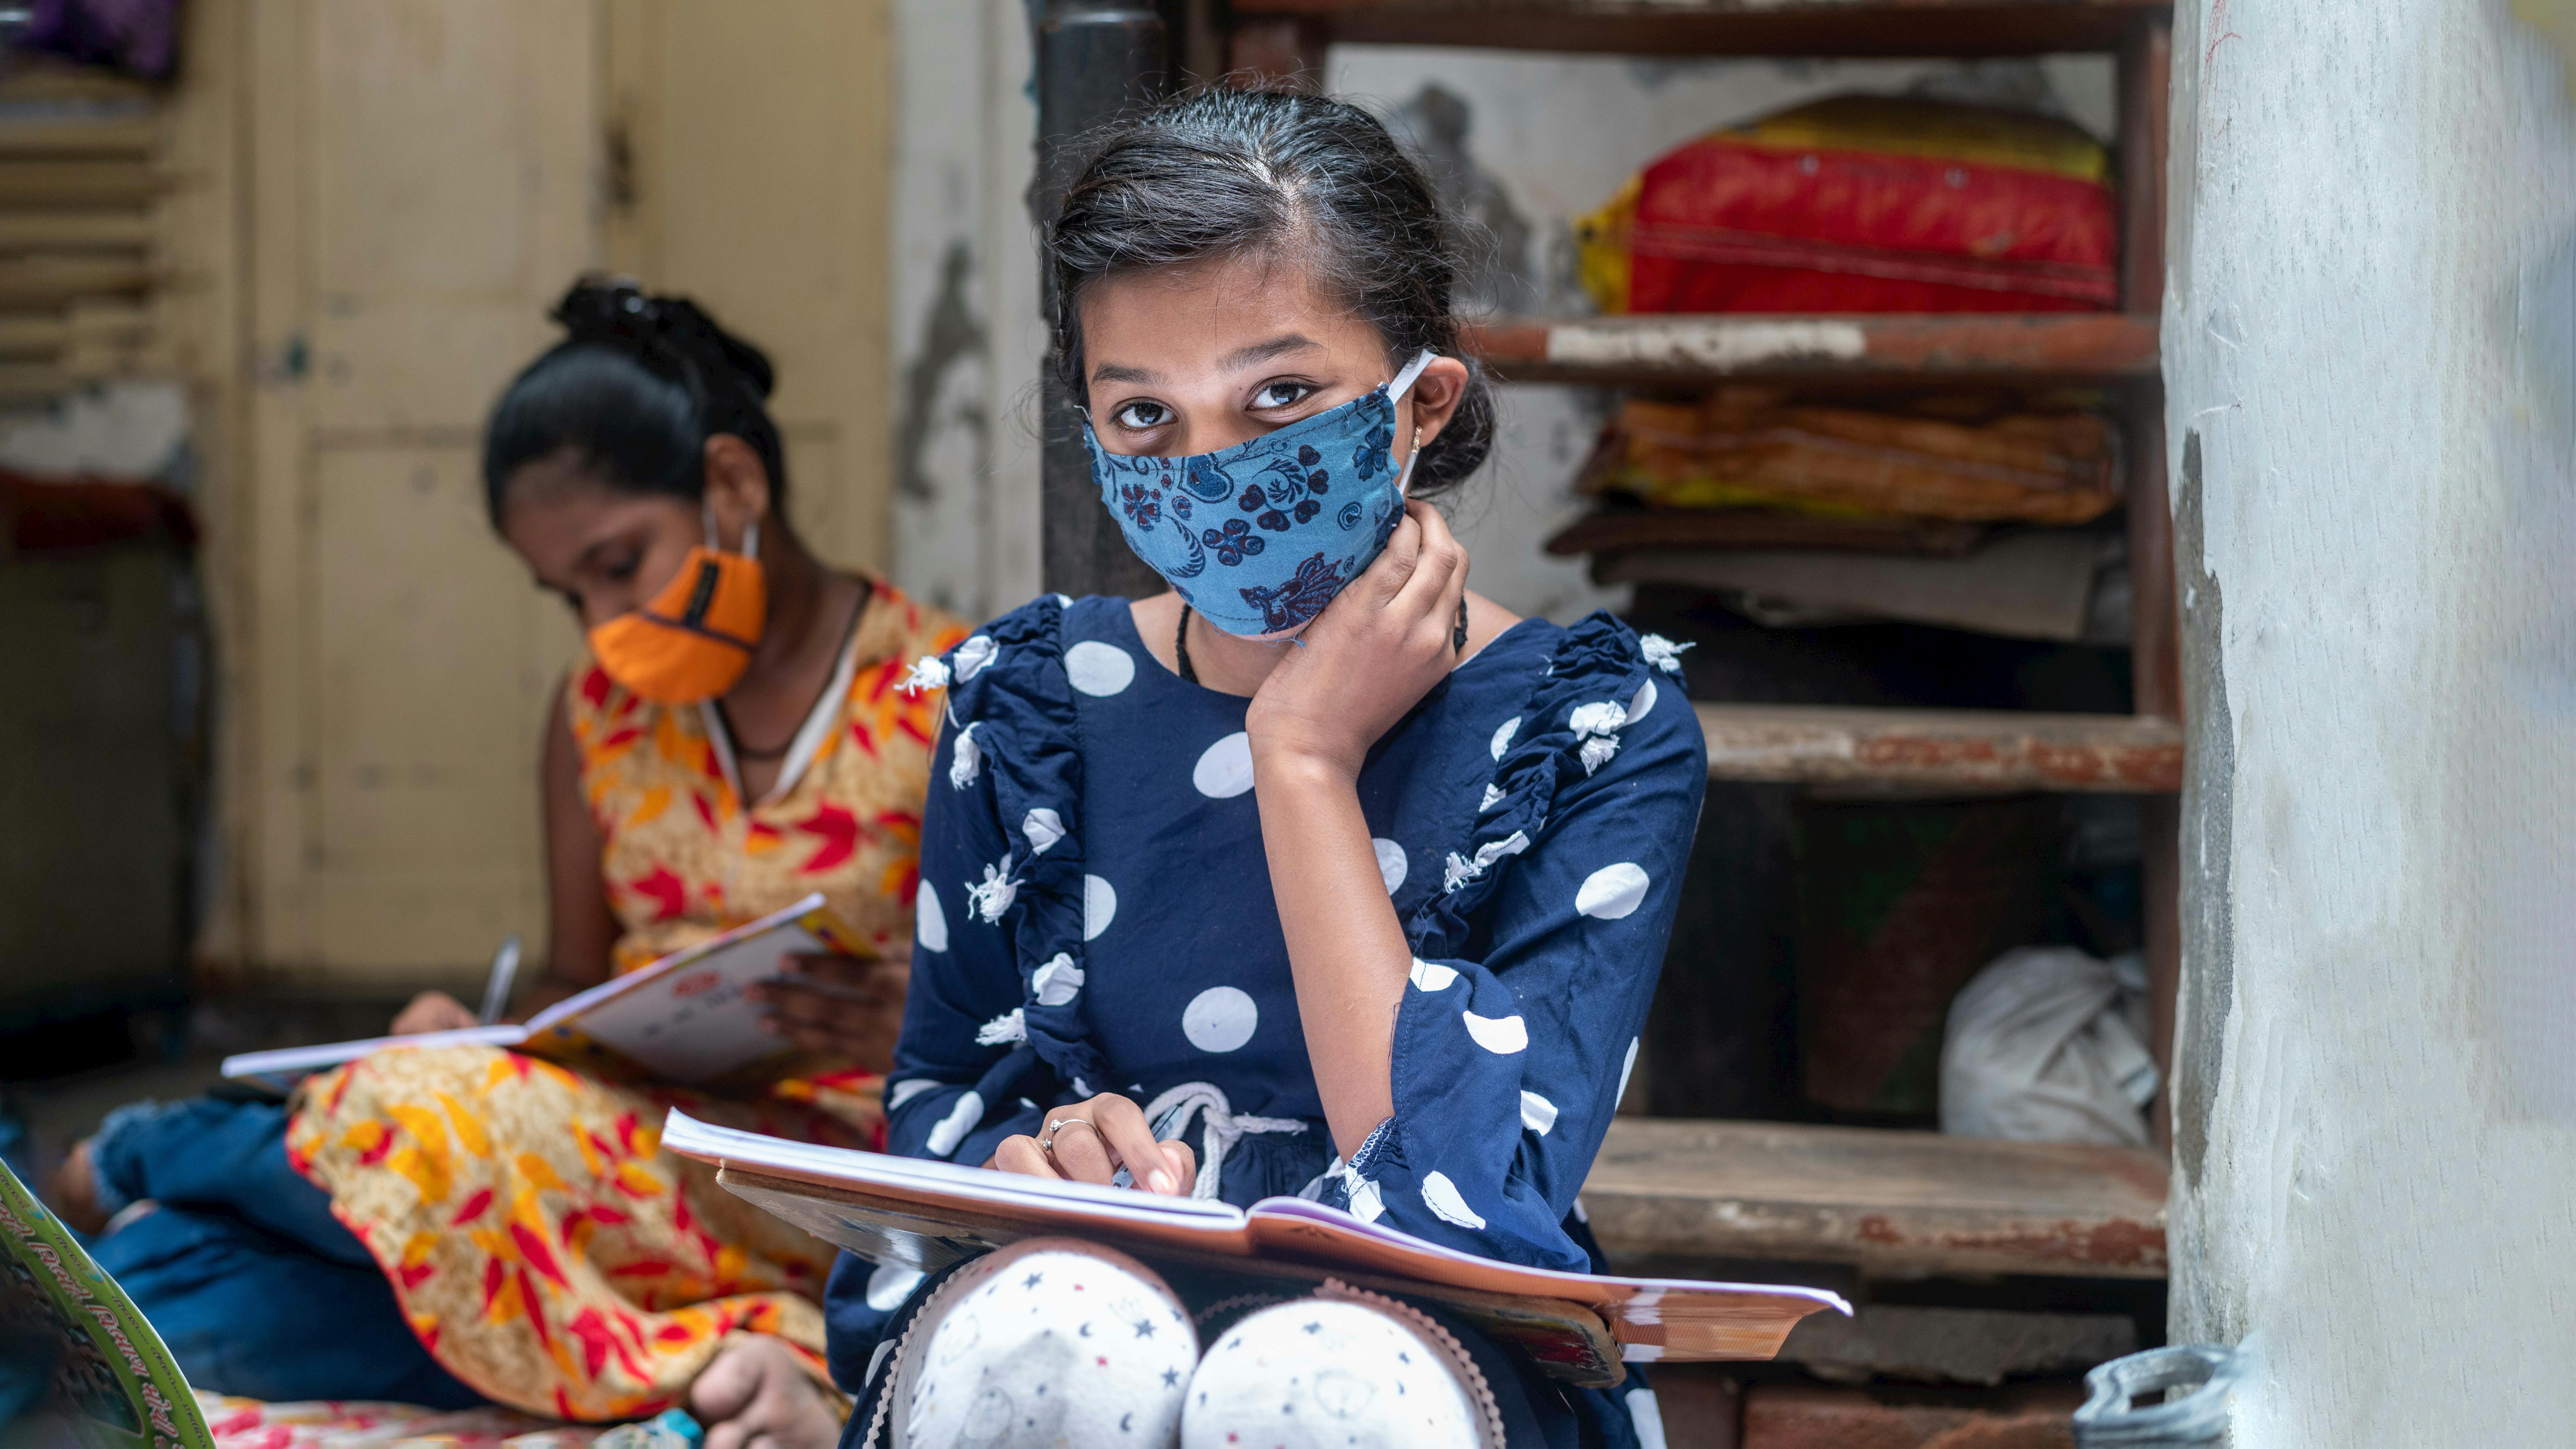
x=671, y=331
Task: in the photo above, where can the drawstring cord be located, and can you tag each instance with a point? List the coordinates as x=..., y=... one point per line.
x=1220, y=1128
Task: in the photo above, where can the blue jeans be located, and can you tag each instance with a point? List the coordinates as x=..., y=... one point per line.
x=243, y=1271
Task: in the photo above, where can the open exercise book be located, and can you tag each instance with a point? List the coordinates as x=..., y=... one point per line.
x=925, y=1215
x=685, y=1018
x=78, y=1365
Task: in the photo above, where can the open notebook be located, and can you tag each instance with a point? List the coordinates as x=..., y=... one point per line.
x=684, y=1019
x=924, y=1215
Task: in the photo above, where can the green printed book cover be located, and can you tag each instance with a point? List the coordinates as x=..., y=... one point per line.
x=78, y=1364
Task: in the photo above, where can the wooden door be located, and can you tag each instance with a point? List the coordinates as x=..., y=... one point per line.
x=422, y=182
x=751, y=157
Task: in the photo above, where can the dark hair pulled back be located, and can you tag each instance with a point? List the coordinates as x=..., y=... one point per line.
x=635, y=389
x=1226, y=172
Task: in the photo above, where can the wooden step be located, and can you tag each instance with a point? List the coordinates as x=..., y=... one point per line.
x=1726, y=27
x=1904, y=1203
x=1943, y=749
x=1685, y=349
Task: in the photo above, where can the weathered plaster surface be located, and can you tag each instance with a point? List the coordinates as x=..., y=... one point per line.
x=967, y=334
x=2370, y=347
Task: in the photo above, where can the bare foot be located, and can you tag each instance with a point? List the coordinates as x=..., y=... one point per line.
x=757, y=1393
x=73, y=1192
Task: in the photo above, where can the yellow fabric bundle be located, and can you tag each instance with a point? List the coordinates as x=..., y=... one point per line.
x=1742, y=448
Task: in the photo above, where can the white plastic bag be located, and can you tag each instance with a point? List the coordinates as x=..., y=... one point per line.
x=2048, y=1044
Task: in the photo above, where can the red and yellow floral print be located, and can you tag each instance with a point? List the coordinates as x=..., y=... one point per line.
x=684, y=858
x=541, y=1244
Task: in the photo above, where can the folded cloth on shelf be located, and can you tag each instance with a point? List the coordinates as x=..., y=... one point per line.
x=1864, y=204
x=1743, y=447
x=1615, y=529
x=2038, y=583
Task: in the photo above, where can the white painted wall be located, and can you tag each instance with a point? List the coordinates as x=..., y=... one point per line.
x=2370, y=344
x=966, y=350
x=1546, y=140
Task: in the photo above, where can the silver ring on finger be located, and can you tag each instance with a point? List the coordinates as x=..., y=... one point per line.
x=1046, y=1139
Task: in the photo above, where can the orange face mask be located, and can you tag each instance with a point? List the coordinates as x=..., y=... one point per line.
x=695, y=638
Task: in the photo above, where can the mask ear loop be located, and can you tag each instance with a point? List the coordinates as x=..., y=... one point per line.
x=1403, y=383
x=750, y=531
x=1395, y=392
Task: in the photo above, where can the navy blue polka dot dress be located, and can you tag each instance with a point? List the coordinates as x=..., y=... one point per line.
x=1095, y=915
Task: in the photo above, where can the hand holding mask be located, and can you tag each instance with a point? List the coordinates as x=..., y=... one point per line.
x=1372, y=654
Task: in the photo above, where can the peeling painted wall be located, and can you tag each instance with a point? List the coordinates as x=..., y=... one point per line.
x=967, y=334
x=2370, y=347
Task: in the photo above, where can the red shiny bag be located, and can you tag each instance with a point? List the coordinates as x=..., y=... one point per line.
x=1865, y=204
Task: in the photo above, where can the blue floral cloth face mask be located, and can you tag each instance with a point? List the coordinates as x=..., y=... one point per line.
x=1259, y=537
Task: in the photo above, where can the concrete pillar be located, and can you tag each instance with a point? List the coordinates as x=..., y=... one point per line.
x=2370, y=351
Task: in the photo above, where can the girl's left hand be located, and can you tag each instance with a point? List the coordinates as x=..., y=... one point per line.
x=839, y=1006
x=1370, y=656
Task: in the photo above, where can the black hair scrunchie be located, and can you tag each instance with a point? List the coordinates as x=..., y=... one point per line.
x=670, y=333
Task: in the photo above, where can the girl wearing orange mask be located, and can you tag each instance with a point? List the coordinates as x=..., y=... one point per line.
x=731, y=741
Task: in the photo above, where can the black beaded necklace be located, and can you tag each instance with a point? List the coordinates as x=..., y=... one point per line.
x=1181, y=639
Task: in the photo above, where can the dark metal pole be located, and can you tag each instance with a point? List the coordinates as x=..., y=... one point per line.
x=1096, y=59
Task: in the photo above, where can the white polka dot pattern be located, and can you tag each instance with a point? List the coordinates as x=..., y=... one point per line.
x=1220, y=1019
x=1503, y=736
x=1612, y=892
x=1538, y=1114
x=1098, y=669
x=1501, y=1035
x=1224, y=769
x=973, y=657
x=1099, y=906
x=952, y=1129
x=1625, y=1068
x=1043, y=827
x=1057, y=982
x=1642, y=701
x=1647, y=1417
x=890, y=1284
x=1446, y=1203
x=929, y=921
x=1391, y=864
x=1431, y=975
x=905, y=1091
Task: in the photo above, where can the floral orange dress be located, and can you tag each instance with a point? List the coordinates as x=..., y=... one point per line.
x=545, y=1249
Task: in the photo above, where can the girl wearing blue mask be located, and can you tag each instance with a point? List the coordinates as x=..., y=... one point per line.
x=1318, y=874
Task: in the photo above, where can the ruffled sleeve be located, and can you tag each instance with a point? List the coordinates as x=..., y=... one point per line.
x=991, y=1021
x=1536, y=961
